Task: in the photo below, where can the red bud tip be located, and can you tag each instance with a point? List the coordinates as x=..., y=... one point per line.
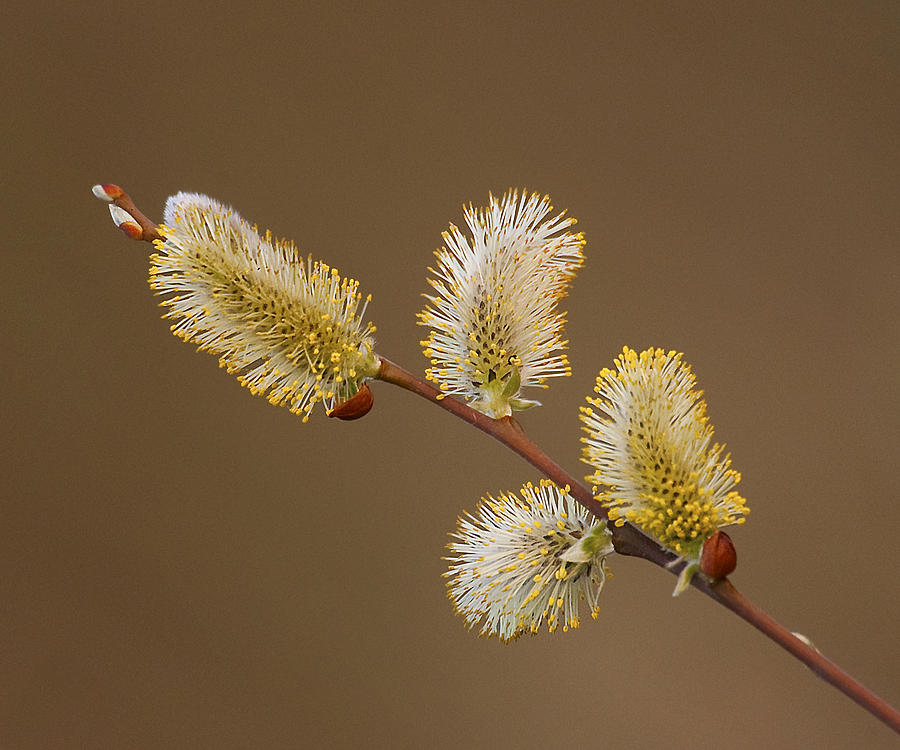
x=719, y=558
x=107, y=192
x=132, y=231
x=358, y=405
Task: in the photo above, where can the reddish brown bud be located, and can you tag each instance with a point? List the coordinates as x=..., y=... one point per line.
x=108, y=192
x=719, y=557
x=356, y=406
x=126, y=222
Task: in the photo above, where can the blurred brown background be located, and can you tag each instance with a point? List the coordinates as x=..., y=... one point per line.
x=185, y=566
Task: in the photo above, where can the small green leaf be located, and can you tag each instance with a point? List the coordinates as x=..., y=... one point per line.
x=513, y=384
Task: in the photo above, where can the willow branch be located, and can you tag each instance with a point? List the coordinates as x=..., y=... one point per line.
x=627, y=540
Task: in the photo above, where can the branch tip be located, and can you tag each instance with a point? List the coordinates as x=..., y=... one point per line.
x=125, y=215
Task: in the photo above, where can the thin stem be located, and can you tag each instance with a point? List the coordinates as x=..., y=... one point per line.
x=629, y=541
x=725, y=593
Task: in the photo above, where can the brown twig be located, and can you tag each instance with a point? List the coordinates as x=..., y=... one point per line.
x=726, y=594
x=629, y=541
x=626, y=539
